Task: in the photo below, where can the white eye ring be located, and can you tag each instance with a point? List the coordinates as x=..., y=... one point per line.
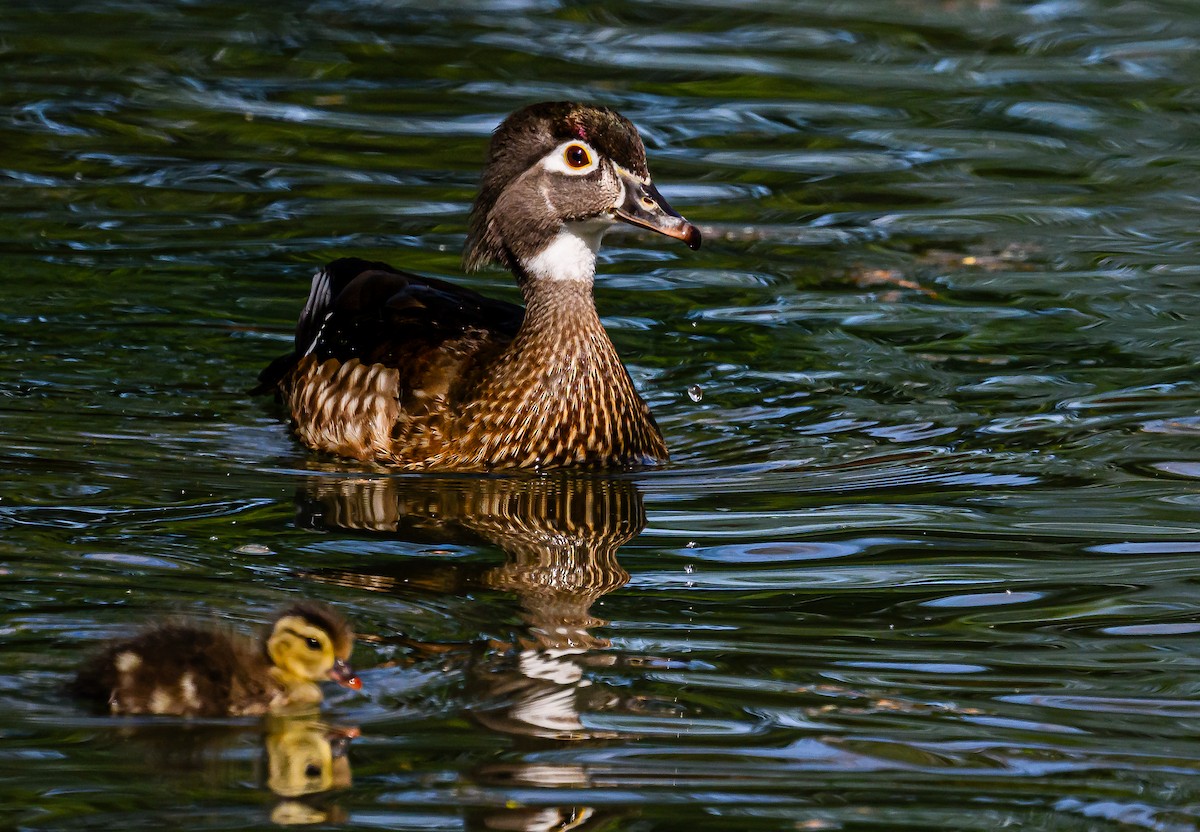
x=557, y=159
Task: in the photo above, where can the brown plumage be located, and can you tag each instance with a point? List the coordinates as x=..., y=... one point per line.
x=186, y=669
x=417, y=372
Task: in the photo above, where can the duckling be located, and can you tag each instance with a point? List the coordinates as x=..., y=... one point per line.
x=185, y=669
x=420, y=373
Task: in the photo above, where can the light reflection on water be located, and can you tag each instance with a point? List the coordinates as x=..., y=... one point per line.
x=925, y=553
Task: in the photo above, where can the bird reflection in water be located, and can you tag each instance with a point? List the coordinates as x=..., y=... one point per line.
x=306, y=763
x=560, y=534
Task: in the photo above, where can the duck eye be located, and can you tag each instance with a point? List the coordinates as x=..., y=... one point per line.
x=577, y=156
x=312, y=643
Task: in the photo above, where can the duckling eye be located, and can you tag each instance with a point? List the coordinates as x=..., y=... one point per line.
x=577, y=156
x=312, y=643
x=312, y=770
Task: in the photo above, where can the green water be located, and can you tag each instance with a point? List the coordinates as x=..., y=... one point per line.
x=926, y=554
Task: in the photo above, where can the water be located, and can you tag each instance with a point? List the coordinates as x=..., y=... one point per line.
x=926, y=554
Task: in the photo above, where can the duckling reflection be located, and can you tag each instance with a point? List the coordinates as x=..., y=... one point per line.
x=561, y=534
x=306, y=759
x=302, y=760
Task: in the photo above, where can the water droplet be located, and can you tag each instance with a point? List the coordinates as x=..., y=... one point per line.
x=695, y=393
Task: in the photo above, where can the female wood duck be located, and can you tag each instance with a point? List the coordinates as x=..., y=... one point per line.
x=188, y=670
x=417, y=372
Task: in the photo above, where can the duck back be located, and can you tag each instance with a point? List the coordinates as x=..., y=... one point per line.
x=180, y=670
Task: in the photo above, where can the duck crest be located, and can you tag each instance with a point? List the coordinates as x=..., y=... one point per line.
x=417, y=372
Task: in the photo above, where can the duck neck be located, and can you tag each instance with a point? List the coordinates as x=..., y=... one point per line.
x=560, y=312
x=296, y=691
x=568, y=257
x=559, y=394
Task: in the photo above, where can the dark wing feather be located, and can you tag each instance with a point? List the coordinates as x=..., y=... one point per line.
x=372, y=312
x=320, y=301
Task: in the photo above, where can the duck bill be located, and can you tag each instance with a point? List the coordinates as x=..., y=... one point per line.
x=644, y=206
x=343, y=674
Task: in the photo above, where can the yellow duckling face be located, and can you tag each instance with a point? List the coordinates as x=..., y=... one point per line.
x=310, y=643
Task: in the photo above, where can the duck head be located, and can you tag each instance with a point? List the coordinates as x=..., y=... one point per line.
x=558, y=176
x=311, y=643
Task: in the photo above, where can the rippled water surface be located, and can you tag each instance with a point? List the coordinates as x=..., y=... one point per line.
x=925, y=557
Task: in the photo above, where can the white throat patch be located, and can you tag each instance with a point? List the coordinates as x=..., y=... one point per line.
x=571, y=255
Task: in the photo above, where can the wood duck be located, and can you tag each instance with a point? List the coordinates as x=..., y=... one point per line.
x=413, y=371
x=189, y=670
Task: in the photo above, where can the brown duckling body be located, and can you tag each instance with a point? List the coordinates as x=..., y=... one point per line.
x=186, y=669
x=417, y=372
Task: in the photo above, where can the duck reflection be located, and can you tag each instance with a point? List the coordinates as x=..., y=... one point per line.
x=560, y=535
x=306, y=761
x=303, y=763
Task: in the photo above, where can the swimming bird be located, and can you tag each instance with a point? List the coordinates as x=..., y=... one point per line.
x=186, y=669
x=417, y=372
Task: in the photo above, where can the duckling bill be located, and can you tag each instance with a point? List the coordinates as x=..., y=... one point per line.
x=392, y=367
x=185, y=669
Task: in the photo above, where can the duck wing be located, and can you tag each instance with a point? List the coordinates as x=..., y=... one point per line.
x=359, y=309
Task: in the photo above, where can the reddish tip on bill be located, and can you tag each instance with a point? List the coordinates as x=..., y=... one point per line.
x=344, y=675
